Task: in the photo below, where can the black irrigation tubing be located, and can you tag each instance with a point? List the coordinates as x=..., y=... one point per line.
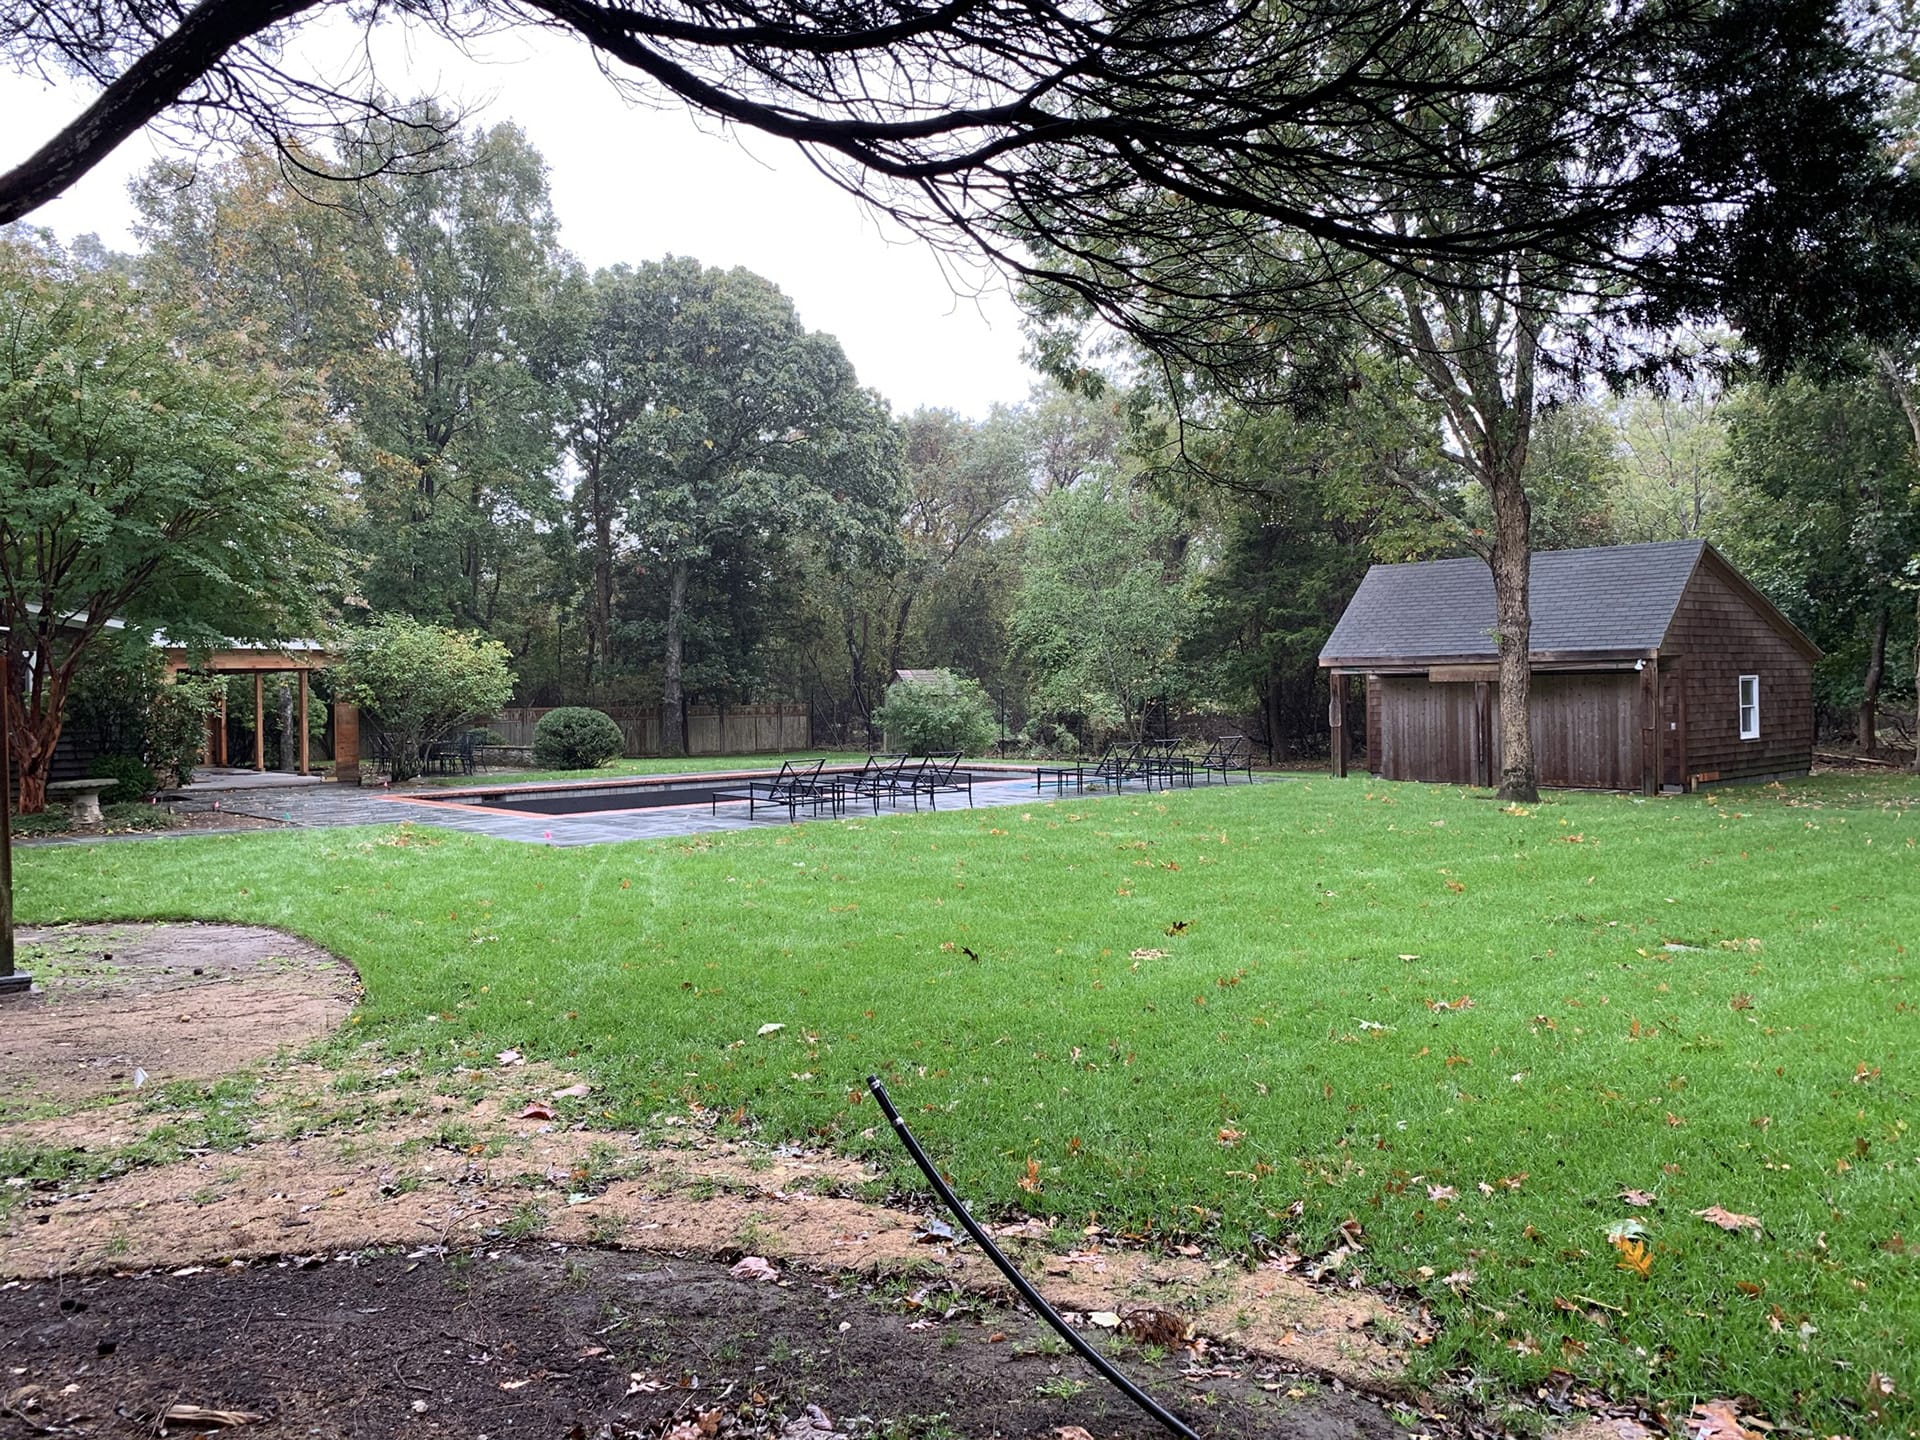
x=1019, y=1282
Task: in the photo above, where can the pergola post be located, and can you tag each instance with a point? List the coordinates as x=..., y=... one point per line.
x=303, y=722
x=346, y=743
x=220, y=732
x=259, y=724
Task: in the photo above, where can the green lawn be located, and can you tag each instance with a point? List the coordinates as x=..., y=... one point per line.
x=1243, y=1014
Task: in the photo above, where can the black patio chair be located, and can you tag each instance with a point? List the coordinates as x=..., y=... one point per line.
x=942, y=773
x=885, y=777
x=1227, y=755
x=1117, y=765
x=1164, y=760
x=795, y=785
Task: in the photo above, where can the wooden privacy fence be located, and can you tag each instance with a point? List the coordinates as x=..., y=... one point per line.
x=711, y=730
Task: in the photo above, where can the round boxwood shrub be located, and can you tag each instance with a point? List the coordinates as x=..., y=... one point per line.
x=576, y=738
x=136, y=780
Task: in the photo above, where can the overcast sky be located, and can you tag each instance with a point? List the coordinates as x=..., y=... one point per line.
x=635, y=184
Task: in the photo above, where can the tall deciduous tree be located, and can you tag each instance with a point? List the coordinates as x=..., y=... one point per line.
x=1108, y=598
x=1824, y=512
x=428, y=300
x=141, y=486
x=753, y=429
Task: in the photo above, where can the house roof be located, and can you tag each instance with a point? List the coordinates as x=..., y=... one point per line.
x=1615, y=600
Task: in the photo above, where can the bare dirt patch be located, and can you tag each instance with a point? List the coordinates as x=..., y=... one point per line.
x=176, y=1002
x=366, y=1158
x=551, y=1343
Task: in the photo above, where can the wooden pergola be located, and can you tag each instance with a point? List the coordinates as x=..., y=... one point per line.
x=296, y=657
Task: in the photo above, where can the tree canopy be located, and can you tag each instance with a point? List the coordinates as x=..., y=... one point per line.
x=142, y=486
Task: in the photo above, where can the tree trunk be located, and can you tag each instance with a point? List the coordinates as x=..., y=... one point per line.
x=600, y=619
x=1511, y=560
x=34, y=716
x=1870, y=686
x=1916, y=674
x=673, y=730
x=289, y=735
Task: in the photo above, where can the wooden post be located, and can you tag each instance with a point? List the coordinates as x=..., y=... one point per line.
x=1650, y=727
x=1483, y=773
x=220, y=731
x=303, y=723
x=259, y=724
x=1337, y=724
x=346, y=743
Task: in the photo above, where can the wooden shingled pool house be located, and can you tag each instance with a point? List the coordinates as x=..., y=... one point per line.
x=1655, y=667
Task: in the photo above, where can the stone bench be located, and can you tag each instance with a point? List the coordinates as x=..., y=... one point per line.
x=82, y=799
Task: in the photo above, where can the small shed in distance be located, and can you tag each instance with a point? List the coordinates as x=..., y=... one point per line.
x=1655, y=666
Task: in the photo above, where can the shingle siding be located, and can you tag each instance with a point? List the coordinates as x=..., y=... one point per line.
x=1724, y=637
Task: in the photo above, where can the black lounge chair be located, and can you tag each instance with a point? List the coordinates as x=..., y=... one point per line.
x=942, y=773
x=1164, y=761
x=795, y=785
x=890, y=776
x=1116, y=765
x=1224, y=757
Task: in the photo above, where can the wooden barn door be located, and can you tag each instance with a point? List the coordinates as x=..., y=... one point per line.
x=1673, y=725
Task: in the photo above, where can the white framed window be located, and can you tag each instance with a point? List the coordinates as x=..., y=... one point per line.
x=1749, y=707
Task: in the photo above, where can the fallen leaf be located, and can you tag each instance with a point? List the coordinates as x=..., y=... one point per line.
x=1637, y=1197
x=1718, y=1420
x=1727, y=1220
x=1105, y=1319
x=771, y=1028
x=510, y=1057
x=1071, y=1432
x=1634, y=1256
x=1155, y=1325
x=754, y=1267
x=1030, y=1182
x=1440, y=1194
x=573, y=1092
x=537, y=1110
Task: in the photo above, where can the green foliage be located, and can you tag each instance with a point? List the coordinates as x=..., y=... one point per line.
x=1824, y=514
x=576, y=738
x=416, y=682
x=136, y=780
x=1573, y=471
x=110, y=703
x=177, y=724
x=928, y=717
x=174, y=487
x=426, y=296
x=1108, y=597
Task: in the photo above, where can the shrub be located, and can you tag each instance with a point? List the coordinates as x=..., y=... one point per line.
x=926, y=716
x=417, y=682
x=136, y=781
x=177, y=725
x=576, y=738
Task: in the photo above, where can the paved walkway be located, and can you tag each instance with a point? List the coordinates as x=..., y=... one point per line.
x=305, y=806
x=223, y=779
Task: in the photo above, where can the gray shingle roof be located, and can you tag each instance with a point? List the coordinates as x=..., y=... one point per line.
x=1620, y=597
